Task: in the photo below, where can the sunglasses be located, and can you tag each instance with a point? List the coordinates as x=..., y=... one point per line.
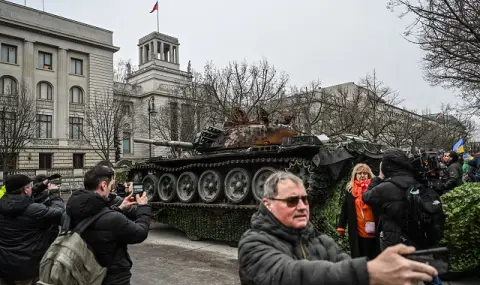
x=293, y=201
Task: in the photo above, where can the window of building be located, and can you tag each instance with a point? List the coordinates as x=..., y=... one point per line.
x=174, y=121
x=76, y=95
x=44, y=126
x=78, y=160
x=126, y=109
x=9, y=54
x=44, y=60
x=126, y=143
x=187, y=115
x=45, y=160
x=76, y=66
x=76, y=128
x=8, y=85
x=44, y=90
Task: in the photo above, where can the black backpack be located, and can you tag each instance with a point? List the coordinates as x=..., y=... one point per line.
x=425, y=219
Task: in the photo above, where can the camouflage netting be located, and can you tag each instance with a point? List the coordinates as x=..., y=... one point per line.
x=324, y=216
x=462, y=229
x=207, y=223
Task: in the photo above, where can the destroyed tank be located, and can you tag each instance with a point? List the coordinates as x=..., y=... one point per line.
x=230, y=165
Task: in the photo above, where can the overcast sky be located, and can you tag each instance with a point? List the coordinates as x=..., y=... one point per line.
x=335, y=41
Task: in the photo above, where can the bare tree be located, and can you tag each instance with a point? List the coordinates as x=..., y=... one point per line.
x=248, y=87
x=105, y=116
x=17, y=122
x=308, y=106
x=449, y=33
x=377, y=105
x=345, y=114
x=180, y=114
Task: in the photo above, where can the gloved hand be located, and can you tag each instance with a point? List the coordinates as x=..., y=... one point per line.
x=341, y=231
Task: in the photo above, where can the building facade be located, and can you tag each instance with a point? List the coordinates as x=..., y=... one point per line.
x=161, y=98
x=63, y=64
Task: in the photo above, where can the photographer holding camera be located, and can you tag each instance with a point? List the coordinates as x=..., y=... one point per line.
x=110, y=234
x=25, y=230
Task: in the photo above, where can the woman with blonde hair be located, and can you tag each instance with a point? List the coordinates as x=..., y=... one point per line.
x=357, y=215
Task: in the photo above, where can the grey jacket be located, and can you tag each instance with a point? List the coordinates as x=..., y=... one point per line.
x=270, y=253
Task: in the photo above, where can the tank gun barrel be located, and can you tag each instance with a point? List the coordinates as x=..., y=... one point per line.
x=185, y=145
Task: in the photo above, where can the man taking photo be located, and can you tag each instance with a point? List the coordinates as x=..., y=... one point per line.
x=110, y=234
x=24, y=230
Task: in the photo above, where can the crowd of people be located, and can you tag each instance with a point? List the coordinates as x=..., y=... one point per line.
x=30, y=223
x=282, y=246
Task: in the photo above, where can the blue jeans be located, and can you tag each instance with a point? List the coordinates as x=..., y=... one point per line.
x=436, y=281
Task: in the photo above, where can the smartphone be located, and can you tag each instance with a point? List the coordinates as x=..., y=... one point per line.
x=137, y=189
x=428, y=251
x=435, y=257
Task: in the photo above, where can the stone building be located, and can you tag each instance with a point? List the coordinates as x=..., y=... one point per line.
x=159, y=88
x=64, y=64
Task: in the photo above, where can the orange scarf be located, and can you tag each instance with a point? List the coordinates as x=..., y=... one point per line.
x=357, y=191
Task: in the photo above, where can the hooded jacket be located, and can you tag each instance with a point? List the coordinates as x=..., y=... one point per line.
x=388, y=197
x=270, y=253
x=25, y=234
x=109, y=235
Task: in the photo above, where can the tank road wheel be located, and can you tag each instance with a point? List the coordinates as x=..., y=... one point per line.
x=210, y=186
x=150, y=183
x=237, y=185
x=167, y=186
x=187, y=186
x=259, y=180
x=304, y=171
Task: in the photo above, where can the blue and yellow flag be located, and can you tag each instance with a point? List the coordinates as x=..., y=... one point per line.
x=458, y=147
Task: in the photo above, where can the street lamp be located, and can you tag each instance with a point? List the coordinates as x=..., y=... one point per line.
x=151, y=111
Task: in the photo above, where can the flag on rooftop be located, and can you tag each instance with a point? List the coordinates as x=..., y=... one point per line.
x=155, y=7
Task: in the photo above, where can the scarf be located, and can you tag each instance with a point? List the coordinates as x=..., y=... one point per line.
x=358, y=188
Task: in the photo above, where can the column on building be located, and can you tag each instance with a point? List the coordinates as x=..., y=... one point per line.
x=177, y=58
x=162, y=56
x=29, y=66
x=140, y=55
x=152, y=50
x=61, y=96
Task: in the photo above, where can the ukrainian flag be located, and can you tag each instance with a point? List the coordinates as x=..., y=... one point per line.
x=458, y=147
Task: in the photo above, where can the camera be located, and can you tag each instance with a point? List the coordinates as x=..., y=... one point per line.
x=120, y=189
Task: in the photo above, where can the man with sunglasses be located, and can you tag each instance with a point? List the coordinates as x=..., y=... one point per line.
x=283, y=248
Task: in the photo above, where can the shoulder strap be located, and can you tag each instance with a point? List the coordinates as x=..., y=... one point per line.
x=84, y=224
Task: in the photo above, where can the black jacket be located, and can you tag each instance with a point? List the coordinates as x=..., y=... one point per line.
x=110, y=234
x=347, y=219
x=272, y=254
x=455, y=175
x=25, y=234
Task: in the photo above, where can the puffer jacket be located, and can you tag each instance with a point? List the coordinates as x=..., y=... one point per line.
x=25, y=234
x=109, y=235
x=388, y=198
x=270, y=253
x=455, y=174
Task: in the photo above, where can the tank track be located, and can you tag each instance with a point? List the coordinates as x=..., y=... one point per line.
x=316, y=179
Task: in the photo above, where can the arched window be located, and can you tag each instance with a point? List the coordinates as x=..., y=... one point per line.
x=44, y=90
x=76, y=95
x=8, y=85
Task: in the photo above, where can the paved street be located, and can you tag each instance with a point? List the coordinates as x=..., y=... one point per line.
x=169, y=257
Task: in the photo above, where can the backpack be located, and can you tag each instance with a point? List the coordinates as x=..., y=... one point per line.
x=425, y=219
x=69, y=261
